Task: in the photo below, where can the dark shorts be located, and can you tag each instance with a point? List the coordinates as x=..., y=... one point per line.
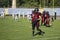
x=35, y=24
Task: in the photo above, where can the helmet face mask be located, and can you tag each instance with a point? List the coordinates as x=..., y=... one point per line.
x=36, y=9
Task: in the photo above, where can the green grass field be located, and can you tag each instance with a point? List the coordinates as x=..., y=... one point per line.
x=11, y=29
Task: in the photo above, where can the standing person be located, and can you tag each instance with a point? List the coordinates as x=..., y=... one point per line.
x=55, y=16
x=16, y=17
x=36, y=21
x=43, y=19
x=47, y=19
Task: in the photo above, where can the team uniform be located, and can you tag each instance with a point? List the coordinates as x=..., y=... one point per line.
x=36, y=21
x=43, y=18
x=42, y=21
x=47, y=19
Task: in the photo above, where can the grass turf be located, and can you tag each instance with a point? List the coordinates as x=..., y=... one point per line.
x=11, y=29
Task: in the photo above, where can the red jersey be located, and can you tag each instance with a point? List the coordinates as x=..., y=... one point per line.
x=42, y=18
x=35, y=15
x=47, y=18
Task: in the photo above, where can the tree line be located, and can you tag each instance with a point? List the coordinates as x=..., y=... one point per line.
x=30, y=3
